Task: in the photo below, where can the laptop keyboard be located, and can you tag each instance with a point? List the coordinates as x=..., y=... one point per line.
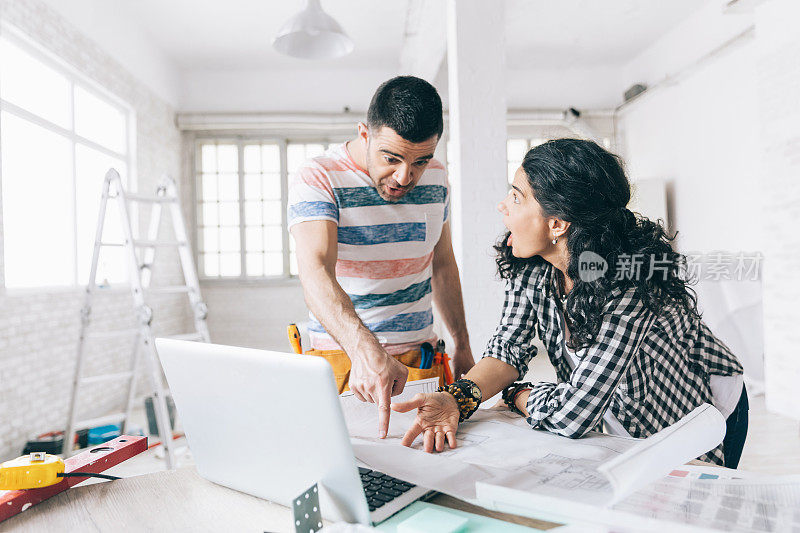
x=381, y=488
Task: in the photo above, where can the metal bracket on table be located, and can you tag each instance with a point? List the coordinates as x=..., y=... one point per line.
x=307, y=516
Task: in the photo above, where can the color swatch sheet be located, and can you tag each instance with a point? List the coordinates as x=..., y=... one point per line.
x=721, y=499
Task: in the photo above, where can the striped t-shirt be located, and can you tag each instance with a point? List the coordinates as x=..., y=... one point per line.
x=385, y=248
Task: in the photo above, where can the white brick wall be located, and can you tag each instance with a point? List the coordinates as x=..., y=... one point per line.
x=726, y=135
x=700, y=134
x=39, y=328
x=778, y=77
x=255, y=316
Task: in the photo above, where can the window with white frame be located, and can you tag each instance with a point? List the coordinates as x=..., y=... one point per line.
x=241, y=193
x=59, y=134
x=516, y=148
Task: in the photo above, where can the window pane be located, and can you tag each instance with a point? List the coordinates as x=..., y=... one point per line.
x=252, y=186
x=273, y=264
x=272, y=212
x=210, y=187
x=227, y=158
x=270, y=158
x=252, y=213
x=30, y=84
x=252, y=158
x=37, y=205
x=229, y=239
x=211, y=265
x=273, y=238
x=272, y=186
x=314, y=150
x=229, y=213
x=255, y=264
x=208, y=158
x=99, y=121
x=515, y=152
x=516, y=148
x=91, y=167
x=537, y=142
x=228, y=187
x=210, y=215
x=229, y=265
x=512, y=169
x=295, y=156
x=254, y=238
x=210, y=242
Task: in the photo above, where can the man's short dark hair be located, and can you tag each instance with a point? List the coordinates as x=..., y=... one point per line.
x=408, y=105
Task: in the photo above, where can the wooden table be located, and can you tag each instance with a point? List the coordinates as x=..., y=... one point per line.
x=175, y=501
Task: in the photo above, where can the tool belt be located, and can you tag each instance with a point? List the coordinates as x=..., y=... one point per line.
x=340, y=363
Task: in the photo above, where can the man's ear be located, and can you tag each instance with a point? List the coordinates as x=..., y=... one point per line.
x=363, y=133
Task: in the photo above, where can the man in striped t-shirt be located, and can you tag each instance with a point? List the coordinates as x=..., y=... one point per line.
x=370, y=221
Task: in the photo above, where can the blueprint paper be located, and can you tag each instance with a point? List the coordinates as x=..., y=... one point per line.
x=500, y=462
x=491, y=445
x=362, y=417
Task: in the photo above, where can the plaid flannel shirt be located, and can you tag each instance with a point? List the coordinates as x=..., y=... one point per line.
x=650, y=370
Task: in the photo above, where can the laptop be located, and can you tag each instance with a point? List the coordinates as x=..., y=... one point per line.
x=270, y=424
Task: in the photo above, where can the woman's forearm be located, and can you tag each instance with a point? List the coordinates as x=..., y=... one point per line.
x=491, y=376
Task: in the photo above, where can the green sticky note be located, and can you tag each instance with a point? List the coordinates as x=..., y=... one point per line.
x=433, y=521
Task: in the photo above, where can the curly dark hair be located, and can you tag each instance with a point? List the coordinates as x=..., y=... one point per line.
x=581, y=183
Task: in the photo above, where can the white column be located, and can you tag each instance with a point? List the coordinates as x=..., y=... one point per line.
x=778, y=78
x=477, y=155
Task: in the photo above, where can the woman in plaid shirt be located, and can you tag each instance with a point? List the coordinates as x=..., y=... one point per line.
x=605, y=292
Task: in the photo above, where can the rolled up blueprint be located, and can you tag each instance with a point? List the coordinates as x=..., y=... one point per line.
x=654, y=457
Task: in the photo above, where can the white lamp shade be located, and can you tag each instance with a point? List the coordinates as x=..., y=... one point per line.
x=312, y=34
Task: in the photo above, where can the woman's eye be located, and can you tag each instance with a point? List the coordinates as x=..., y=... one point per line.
x=516, y=199
x=391, y=160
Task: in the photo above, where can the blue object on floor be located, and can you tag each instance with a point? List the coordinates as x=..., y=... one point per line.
x=475, y=523
x=102, y=434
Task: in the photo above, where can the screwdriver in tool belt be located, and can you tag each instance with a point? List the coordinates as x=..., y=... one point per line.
x=294, y=338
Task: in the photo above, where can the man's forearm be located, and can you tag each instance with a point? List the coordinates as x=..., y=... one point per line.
x=333, y=308
x=446, y=285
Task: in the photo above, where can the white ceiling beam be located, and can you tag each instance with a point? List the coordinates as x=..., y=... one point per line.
x=425, y=40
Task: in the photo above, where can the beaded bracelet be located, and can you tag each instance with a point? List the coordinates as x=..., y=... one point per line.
x=467, y=394
x=511, y=392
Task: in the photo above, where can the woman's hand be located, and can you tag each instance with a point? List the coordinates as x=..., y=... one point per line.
x=437, y=419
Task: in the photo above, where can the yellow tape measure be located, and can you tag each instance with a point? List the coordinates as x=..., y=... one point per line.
x=32, y=471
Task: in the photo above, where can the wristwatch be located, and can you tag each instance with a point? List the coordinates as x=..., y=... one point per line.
x=467, y=394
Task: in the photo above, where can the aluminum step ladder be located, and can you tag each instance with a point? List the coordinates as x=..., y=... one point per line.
x=140, y=257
